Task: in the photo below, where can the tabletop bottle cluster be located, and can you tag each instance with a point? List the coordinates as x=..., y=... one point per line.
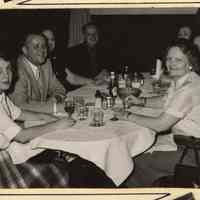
x=125, y=79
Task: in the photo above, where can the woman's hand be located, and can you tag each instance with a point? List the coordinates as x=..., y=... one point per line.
x=121, y=114
x=132, y=100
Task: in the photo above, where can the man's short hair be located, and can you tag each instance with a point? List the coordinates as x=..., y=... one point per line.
x=90, y=24
x=26, y=35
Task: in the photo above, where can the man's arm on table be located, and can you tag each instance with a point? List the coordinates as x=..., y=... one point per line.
x=44, y=107
x=76, y=79
x=55, y=87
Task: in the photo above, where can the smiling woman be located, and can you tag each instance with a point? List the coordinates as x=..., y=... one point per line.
x=180, y=60
x=5, y=74
x=180, y=115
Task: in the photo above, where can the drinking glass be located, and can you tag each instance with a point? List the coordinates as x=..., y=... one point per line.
x=69, y=107
x=97, y=117
x=83, y=112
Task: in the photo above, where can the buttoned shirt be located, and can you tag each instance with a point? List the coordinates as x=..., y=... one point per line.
x=8, y=128
x=183, y=101
x=34, y=69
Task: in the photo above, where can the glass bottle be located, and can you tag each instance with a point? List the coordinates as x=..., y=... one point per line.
x=98, y=99
x=121, y=81
x=136, y=83
x=125, y=72
x=113, y=85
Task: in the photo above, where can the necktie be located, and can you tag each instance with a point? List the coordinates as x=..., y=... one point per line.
x=37, y=74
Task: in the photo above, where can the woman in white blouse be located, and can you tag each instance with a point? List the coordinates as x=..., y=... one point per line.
x=181, y=115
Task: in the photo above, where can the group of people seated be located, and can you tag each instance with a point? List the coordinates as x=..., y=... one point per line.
x=39, y=80
x=38, y=84
x=35, y=88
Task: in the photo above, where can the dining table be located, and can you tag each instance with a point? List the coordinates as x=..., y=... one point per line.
x=112, y=147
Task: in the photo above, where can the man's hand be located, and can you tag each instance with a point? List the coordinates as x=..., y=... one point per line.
x=58, y=98
x=102, y=76
x=47, y=117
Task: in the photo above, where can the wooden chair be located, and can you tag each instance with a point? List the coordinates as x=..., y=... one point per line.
x=188, y=143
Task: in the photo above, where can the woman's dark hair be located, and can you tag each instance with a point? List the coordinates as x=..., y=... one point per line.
x=190, y=50
x=5, y=55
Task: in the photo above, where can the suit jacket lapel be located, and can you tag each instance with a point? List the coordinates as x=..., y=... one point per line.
x=43, y=82
x=33, y=81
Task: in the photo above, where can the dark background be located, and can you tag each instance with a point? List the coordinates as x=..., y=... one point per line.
x=15, y=24
x=140, y=39
x=133, y=40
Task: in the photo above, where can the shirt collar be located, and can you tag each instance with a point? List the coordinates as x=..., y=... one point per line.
x=34, y=68
x=182, y=81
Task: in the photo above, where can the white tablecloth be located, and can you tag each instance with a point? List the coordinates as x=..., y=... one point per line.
x=111, y=147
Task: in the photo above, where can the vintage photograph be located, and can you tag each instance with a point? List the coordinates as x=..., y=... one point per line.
x=100, y=98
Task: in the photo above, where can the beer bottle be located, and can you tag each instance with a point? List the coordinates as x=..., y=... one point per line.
x=121, y=81
x=125, y=72
x=113, y=85
x=136, y=83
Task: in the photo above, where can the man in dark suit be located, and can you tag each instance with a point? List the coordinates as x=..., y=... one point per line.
x=68, y=79
x=88, y=59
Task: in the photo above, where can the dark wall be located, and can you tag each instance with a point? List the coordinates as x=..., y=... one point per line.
x=16, y=23
x=137, y=40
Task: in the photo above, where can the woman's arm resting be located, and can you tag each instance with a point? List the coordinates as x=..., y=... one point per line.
x=159, y=124
x=25, y=135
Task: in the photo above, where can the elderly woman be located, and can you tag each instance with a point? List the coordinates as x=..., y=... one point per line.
x=181, y=116
x=38, y=169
